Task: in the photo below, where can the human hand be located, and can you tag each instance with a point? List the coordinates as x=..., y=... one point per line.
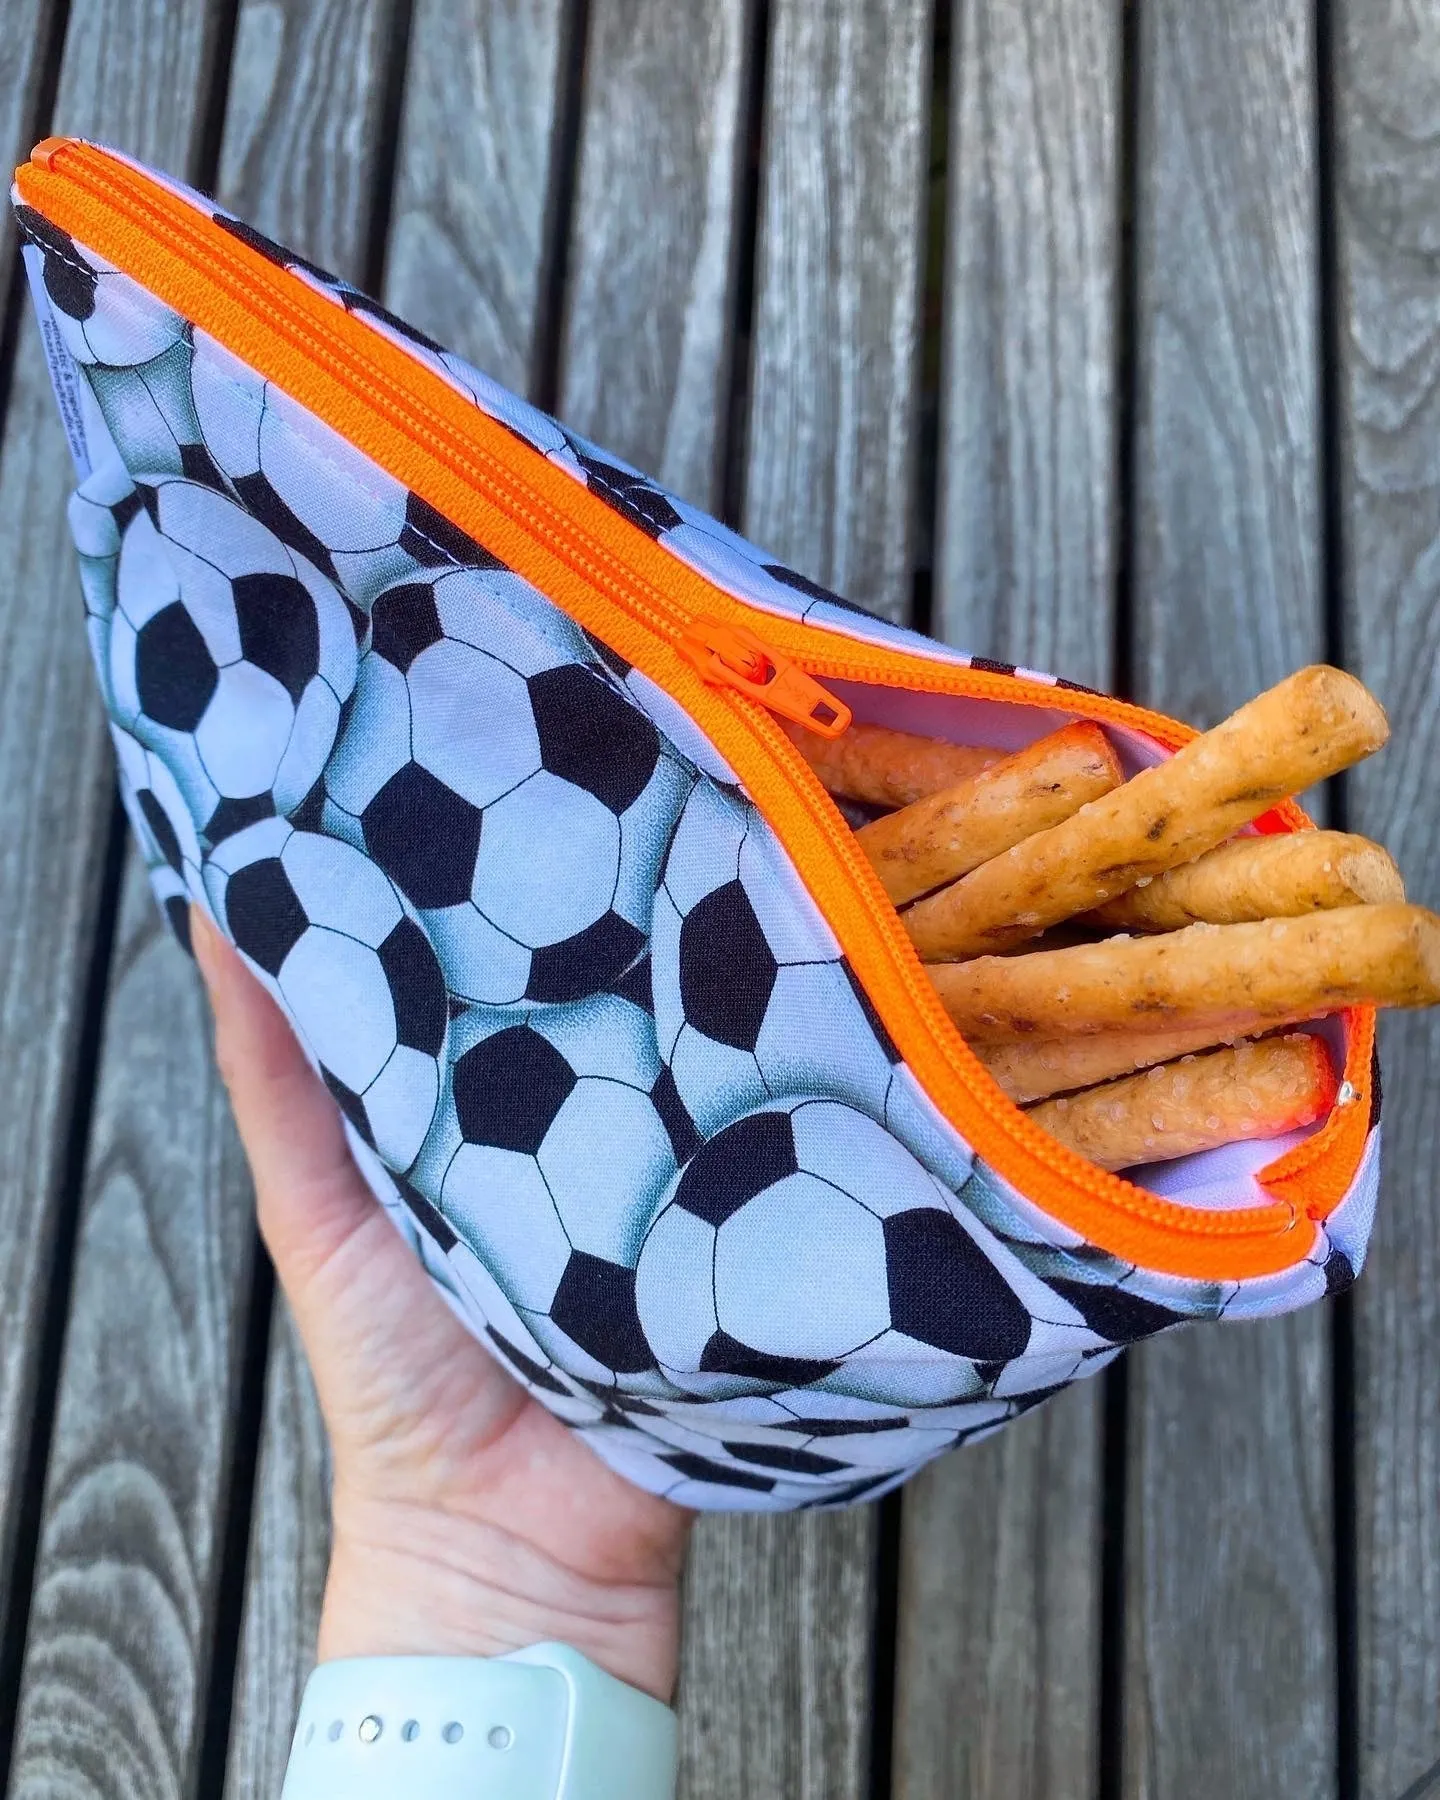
x=466, y=1520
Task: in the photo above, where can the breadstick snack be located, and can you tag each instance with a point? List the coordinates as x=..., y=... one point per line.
x=1311, y=726
x=1257, y=975
x=1259, y=878
x=1251, y=1091
x=1029, y=1069
x=950, y=832
x=1120, y=954
x=889, y=768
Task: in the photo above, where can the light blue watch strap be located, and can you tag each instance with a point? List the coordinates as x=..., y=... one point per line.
x=540, y=1724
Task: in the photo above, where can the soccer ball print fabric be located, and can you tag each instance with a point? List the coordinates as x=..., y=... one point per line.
x=598, y=1052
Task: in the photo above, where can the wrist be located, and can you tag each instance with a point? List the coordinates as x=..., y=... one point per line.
x=408, y=1581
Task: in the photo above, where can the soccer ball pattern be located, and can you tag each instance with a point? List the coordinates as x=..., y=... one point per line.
x=741, y=962
x=525, y=825
x=529, y=1095
x=358, y=976
x=597, y=1051
x=228, y=656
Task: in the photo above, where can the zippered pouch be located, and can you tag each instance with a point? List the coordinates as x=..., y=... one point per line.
x=451, y=721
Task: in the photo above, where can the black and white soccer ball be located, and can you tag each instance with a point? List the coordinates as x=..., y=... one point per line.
x=327, y=932
x=753, y=999
x=98, y=512
x=318, y=493
x=103, y=316
x=157, y=811
x=163, y=829
x=229, y=656
x=520, y=803
x=804, y=1247
x=558, y=1134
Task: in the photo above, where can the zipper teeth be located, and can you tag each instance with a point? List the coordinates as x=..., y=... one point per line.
x=596, y=564
x=129, y=196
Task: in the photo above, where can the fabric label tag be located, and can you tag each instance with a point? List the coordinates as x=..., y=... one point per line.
x=65, y=376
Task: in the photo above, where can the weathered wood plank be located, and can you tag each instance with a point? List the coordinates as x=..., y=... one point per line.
x=1227, y=464
x=828, y=485
x=28, y=25
x=997, y=1673
x=1025, y=550
x=285, y=1571
x=999, y=1614
x=774, y=1686
x=1230, y=1664
x=303, y=120
x=114, y=1681
x=1388, y=116
x=54, y=816
x=468, y=239
x=646, y=352
x=298, y=158
x=644, y=371
x=130, y=74
x=830, y=466
x=775, y=1671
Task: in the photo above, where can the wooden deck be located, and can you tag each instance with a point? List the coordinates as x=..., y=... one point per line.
x=1103, y=336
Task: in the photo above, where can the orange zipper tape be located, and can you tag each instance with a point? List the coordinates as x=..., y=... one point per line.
x=721, y=660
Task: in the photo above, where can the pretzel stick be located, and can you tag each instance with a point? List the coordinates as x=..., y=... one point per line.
x=947, y=834
x=1252, y=1091
x=1256, y=975
x=889, y=768
x=1031, y=1069
x=1260, y=878
x=1312, y=725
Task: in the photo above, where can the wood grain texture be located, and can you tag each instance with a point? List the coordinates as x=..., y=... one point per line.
x=1230, y=1654
x=1025, y=552
x=285, y=1571
x=829, y=481
x=54, y=816
x=997, y=1668
x=302, y=122
x=468, y=239
x=130, y=74
x=1226, y=506
x=774, y=1691
x=999, y=1607
x=645, y=355
x=115, y=1660
x=1230, y=1664
x=299, y=158
x=27, y=28
x=1388, y=114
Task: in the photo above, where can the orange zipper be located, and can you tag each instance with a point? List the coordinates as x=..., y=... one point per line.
x=732, y=667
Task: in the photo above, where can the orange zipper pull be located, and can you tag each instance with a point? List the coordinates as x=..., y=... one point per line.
x=45, y=152
x=733, y=656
